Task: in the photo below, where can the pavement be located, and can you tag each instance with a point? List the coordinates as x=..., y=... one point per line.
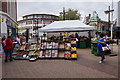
x=1, y=51
x=87, y=66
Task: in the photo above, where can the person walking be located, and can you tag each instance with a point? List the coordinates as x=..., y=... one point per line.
x=101, y=43
x=3, y=38
x=8, y=48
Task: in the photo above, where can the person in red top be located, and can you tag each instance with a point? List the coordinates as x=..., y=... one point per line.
x=8, y=47
x=22, y=39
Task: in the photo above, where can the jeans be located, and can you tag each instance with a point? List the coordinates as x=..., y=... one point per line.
x=8, y=53
x=77, y=44
x=102, y=55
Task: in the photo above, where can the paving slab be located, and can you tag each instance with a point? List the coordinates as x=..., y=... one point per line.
x=86, y=66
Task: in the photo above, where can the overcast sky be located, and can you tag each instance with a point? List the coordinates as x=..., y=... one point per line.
x=85, y=7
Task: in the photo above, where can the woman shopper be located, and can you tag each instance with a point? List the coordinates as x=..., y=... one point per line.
x=101, y=43
x=8, y=46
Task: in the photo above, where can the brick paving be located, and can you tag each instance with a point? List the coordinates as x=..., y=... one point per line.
x=0, y=67
x=86, y=66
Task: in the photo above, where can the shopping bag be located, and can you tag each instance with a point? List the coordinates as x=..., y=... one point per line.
x=105, y=48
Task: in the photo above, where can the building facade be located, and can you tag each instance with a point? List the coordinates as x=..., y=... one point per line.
x=34, y=22
x=8, y=18
x=94, y=20
x=118, y=22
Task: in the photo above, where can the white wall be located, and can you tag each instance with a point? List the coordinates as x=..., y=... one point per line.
x=118, y=13
x=3, y=25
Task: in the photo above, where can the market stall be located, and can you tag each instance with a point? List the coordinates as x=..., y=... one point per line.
x=68, y=26
x=53, y=48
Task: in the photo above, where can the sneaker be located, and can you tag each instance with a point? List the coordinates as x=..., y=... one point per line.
x=100, y=62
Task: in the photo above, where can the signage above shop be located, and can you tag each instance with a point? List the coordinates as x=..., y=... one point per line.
x=1, y=19
x=16, y=26
x=9, y=23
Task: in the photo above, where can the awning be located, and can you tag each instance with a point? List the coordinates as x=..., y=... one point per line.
x=67, y=26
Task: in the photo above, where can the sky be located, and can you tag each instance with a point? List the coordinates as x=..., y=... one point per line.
x=85, y=7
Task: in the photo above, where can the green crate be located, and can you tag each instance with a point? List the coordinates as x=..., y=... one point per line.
x=82, y=45
x=88, y=43
x=95, y=53
x=92, y=52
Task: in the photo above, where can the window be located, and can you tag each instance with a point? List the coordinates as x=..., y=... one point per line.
x=24, y=18
x=29, y=22
x=56, y=17
x=49, y=17
x=44, y=16
x=35, y=16
x=40, y=16
x=29, y=17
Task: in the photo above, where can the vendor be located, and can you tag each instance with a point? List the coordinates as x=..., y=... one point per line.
x=22, y=39
x=61, y=37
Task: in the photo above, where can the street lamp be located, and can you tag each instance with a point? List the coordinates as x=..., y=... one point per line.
x=63, y=13
x=109, y=23
x=36, y=31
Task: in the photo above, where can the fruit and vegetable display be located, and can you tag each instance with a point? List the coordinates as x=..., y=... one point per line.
x=21, y=47
x=48, y=53
x=67, y=54
x=61, y=45
x=27, y=46
x=48, y=49
x=33, y=47
x=55, y=45
x=67, y=46
x=54, y=53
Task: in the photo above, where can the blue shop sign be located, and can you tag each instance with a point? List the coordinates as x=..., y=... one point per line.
x=8, y=22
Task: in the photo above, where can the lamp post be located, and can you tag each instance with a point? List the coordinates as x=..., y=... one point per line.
x=109, y=23
x=63, y=13
x=36, y=31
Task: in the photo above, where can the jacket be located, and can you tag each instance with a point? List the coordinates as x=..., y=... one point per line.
x=8, y=44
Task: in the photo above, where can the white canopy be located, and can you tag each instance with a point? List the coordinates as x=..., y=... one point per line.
x=67, y=26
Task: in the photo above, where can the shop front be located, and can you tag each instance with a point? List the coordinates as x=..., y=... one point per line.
x=8, y=26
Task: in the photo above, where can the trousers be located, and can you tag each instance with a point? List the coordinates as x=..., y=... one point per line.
x=102, y=55
x=8, y=53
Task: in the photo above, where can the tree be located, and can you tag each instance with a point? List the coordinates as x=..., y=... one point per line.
x=71, y=14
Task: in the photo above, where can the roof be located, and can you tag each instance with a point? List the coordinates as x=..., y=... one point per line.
x=67, y=26
x=40, y=14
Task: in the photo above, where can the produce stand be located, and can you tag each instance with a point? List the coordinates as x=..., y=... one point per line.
x=47, y=49
x=54, y=48
x=94, y=48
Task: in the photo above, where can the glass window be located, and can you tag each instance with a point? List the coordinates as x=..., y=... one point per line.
x=49, y=17
x=40, y=16
x=44, y=16
x=35, y=16
x=24, y=18
x=29, y=17
x=29, y=22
